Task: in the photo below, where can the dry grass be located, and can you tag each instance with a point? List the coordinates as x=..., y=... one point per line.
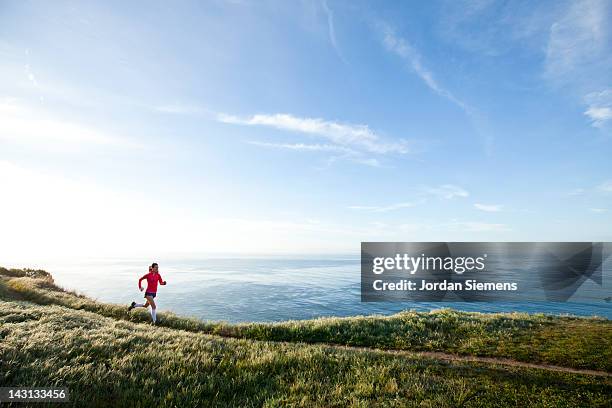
x=110, y=358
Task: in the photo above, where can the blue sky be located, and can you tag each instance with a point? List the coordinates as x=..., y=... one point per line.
x=301, y=127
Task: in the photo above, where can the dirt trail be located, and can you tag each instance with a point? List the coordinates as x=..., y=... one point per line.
x=436, y=355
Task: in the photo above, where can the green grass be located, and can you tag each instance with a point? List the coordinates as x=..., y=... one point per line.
x=110, y=362
x=109, y=358
x=566, y=341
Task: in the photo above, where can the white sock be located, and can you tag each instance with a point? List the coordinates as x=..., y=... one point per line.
x=153, y=315
x=139, y=305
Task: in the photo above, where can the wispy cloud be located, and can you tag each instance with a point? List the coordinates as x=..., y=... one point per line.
x=605, y=187
x=500, y=24
x=488, y=207
x=305, y=147
x=598, y=210
x=386, y=208
x=181, y=109
x=402, y=48
x=599, y=107
x=372, y=162
x=353, y=142
x=340, y=152
x=577, y=192
x=447, y=191
x=574, y=36
x=578, y=56
x=599, y=116
x=577, y=39
x=477, y=226
x=349, y=135
x=331, y=30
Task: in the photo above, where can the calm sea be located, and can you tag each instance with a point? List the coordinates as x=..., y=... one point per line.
x=245, y=290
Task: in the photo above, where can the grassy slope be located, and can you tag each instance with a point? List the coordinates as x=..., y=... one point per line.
x=111, y=361
x=565, y=341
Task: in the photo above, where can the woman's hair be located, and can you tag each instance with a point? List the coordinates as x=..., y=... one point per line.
x=153, y=265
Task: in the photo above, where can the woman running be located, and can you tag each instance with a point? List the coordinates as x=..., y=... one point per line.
x=153, y=278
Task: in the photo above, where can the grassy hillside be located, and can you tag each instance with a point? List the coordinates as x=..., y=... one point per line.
x=107, y=357
x=566, y=341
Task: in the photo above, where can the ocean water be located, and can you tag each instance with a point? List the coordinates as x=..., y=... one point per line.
x=272, y=289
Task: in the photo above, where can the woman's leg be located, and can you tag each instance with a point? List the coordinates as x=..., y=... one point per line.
x=145, y=304
x=151, y=301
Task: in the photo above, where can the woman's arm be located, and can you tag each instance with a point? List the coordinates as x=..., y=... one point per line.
x=160, y=280
x=140, y=282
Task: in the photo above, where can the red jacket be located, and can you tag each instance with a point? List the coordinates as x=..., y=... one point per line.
x=152, y=280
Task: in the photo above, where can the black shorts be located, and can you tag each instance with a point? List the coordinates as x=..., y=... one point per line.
x=152, y=294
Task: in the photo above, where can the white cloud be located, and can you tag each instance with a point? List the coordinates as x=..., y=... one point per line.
x=599, y=107
x=342, y=152
x=488, y=207
x=181, y=109
x=391, y=207
x=306, y=147
x=22, y=124
x=372, y=162
x=476, y=226
x=605, y=187
x=598, y=210
x=343, y=134
x=599, y=115
x=447, y=191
